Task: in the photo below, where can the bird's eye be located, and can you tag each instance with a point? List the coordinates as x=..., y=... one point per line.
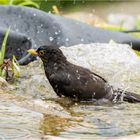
x=41, y=52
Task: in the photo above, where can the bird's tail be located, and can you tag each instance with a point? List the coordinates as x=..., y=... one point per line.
x=131, y=97
x=126, y=96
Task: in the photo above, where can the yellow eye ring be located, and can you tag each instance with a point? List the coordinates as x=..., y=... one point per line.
x=41, y=52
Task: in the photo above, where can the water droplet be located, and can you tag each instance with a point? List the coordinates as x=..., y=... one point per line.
x=17, y=30
x=68, y=75
x=34, y=14
x=78, y=77
x=28, y=38
x=67, y=39
x=56, y=33
x=37, y=57
x=51, y=38
x=82, y=39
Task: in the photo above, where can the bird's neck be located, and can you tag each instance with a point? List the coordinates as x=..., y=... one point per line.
x=54, y=66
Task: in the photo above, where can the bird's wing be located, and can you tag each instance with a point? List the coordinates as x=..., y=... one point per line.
x=99, y=76
x=77, y=75
x=60, y=77
x=86, y=74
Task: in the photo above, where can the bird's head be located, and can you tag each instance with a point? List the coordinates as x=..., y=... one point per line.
x=48, y=53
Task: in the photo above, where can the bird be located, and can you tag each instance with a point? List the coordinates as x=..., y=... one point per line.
x=77, y=82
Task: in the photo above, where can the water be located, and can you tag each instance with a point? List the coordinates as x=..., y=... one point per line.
x=36, y=111
x=17, y=122
x=113, y=121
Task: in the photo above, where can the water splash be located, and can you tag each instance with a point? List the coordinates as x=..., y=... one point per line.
x=51, y=39
x=34, y=14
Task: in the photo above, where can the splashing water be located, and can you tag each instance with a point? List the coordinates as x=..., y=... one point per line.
x=51, y=39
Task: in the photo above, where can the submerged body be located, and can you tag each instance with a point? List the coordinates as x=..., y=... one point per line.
x=74, y=81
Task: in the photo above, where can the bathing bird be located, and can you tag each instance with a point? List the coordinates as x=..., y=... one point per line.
x=75, y=81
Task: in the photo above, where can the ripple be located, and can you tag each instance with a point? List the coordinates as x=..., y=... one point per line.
x=17, y=122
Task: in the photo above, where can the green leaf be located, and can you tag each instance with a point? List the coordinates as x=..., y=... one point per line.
x=137, y=52
x=29, y=3
x=0, y=68
x=137, y=34
x=11, y=2
x=0, y=56
x=3, y=47
x=112, y=27
x=15, y=67
x=4, y=2
x=3, y=73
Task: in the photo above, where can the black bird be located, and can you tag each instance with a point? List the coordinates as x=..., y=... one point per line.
x=74, y=81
